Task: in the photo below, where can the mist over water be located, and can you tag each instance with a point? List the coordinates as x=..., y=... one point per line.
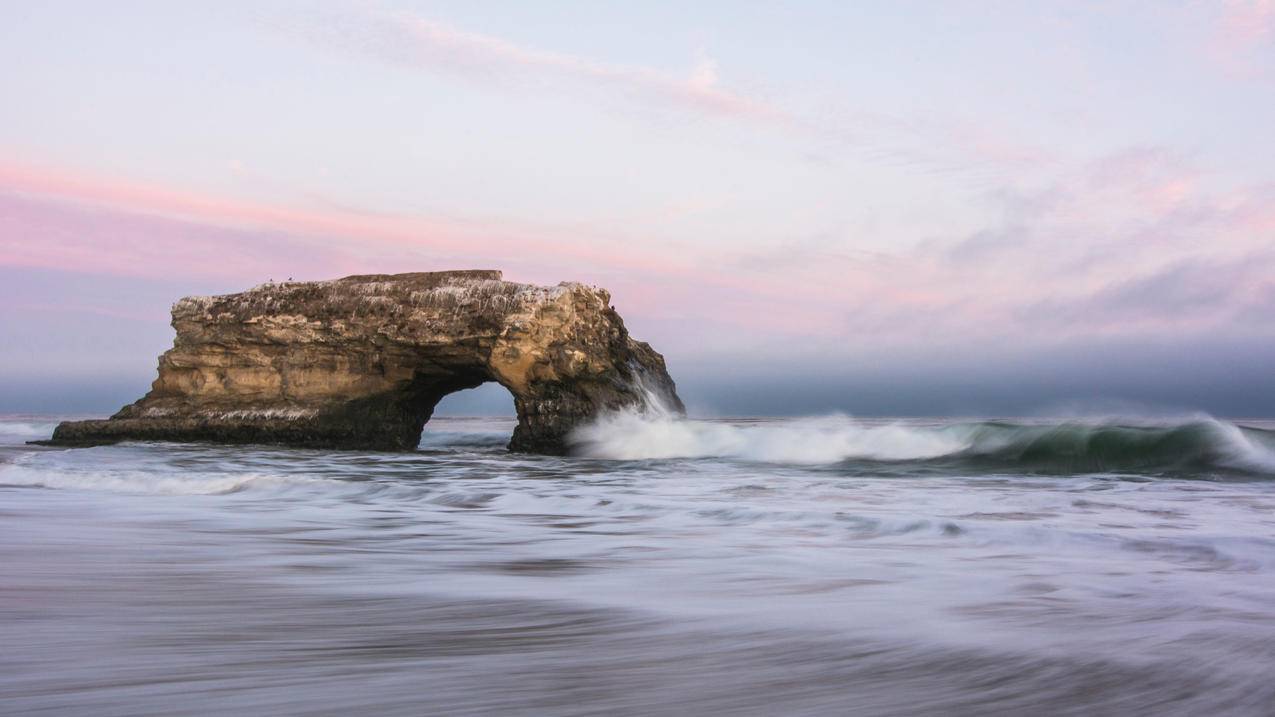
x=749, y=566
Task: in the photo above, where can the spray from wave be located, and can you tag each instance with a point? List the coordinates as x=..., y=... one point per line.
x=635, y=435
x=18, y=429
x=1199, y=445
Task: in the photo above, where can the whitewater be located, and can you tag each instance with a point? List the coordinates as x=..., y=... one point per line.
x=798, y=566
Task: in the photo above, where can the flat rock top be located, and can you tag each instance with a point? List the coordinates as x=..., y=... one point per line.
x=478, y=293
x=424, y=279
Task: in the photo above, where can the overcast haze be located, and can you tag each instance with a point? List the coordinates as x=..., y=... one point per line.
x=878, y=208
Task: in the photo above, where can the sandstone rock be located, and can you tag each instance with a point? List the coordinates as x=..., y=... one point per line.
x=361, y=362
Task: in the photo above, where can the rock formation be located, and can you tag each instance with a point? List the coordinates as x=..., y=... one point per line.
x=361, y=362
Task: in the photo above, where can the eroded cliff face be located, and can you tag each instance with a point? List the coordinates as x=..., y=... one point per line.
x=361, y=362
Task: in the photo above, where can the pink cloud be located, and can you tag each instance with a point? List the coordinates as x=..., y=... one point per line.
x=1241, y=30
x=54, y=234
x=1248, y=21
x=407, y=39
x=387, y=237
x=174, y=203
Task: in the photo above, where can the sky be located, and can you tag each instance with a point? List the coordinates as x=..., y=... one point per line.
x=878, y=208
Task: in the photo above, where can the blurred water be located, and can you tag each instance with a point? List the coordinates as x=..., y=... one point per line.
x=1019, y=568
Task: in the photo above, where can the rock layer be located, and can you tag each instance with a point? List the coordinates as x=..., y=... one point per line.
x=361, y=362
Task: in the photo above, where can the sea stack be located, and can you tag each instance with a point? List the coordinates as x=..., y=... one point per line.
x=361, y=362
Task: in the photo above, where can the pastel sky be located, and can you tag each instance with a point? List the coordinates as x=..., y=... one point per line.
x=877, y=207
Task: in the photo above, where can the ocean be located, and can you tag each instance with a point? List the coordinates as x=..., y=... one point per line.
x=815, y=566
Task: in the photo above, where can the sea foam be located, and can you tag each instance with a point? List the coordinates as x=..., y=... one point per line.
x=633, y=435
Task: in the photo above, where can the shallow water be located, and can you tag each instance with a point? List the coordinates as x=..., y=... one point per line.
x=816, y=566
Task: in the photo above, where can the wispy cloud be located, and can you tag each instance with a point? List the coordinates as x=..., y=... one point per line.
x=413, y=41
x=1137, y=242
x=43, y=232
x=1242, y=38
x=373, y=235
x=933, y=144
x=1188, y=292
x=1248, y=21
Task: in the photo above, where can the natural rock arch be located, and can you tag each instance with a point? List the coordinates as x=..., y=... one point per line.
x=361, y=362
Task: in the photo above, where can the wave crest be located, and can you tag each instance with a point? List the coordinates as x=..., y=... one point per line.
x=1200, y=445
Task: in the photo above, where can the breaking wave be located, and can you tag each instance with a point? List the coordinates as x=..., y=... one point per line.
x=1199, y=445
x=18, y=430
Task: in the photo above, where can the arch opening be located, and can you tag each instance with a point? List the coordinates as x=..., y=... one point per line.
x=482, y=417
x=487, y=400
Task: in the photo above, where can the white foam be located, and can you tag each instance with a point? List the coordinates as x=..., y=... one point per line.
x=135, y=482
x=644, y=434
x=65, y=470
x=21, y=430
x=1241, y=450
